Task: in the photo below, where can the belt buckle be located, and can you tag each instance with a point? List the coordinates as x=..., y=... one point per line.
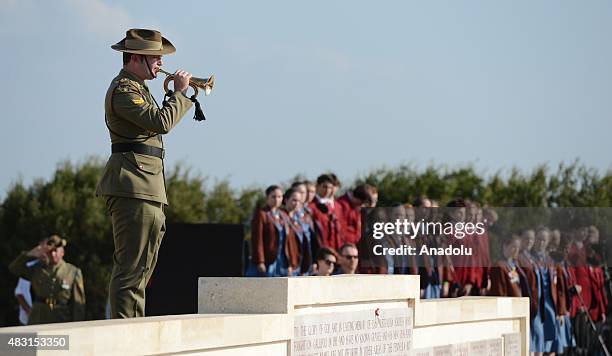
x=163, y=153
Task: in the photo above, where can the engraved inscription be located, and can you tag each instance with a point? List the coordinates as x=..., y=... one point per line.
x=353, y=333
x=512, y=344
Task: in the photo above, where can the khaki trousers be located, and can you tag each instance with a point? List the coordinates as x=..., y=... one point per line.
x=138, y=229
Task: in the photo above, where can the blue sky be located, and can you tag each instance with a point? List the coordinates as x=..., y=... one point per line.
x=305, y=87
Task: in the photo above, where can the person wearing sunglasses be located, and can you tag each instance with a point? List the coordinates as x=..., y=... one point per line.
x=349, y=259
x=325, y=262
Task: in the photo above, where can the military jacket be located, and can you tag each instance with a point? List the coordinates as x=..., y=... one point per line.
x=58, y=291
x=132, y=116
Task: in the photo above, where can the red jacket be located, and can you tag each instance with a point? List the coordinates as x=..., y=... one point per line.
x=527, y=264
x=582, y=277
x=599, y=302
x=305, y=247
x=505, y=282
x=327, y=224
x=468, y=268
x=350, y=220
x=265, y=238
x=563, y=291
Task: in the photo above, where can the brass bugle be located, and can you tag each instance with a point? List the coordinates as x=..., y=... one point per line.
x=196, y=83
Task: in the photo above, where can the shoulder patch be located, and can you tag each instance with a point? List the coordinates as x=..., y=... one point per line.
x=138, y=101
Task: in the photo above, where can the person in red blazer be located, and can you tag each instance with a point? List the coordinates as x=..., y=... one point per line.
x=598, y=280
x=565, y=285
x=327, y=214
x=507, y=277
x=577, y=257
x=351, y=203
x=599, y=302
x=480, y=261
x=301, y=224
x=274, y=245
x=528, y=266
x=467, y=276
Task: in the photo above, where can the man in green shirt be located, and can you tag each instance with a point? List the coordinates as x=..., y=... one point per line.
x=57, y=286
x=133, y=179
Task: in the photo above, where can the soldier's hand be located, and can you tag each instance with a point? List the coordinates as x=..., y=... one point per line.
x=39, y=251
x=181, y=80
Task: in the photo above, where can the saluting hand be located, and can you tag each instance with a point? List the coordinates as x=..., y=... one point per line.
x=181, y=80
x=40, y=252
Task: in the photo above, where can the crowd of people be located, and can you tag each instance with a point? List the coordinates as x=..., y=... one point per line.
x=309, y=230
x=300, y=231
x=562, y=274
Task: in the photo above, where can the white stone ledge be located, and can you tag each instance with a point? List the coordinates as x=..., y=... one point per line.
x=255, y=316
x=283, y=295
x=165, y=334
x=469, y=309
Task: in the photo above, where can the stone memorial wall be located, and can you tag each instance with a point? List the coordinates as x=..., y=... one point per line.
x=315, y=316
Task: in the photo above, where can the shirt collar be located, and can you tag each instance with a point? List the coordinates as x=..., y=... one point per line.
x=324, y=200
x=55, y=267
x=127, y=74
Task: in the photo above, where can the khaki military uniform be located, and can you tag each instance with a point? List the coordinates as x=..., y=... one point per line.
x=134, y=187
x=58, y=291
